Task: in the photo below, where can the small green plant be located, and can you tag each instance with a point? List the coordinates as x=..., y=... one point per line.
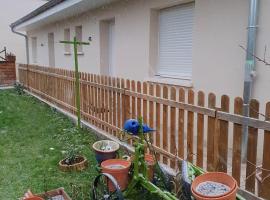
x=19, y=88
x=72, y=154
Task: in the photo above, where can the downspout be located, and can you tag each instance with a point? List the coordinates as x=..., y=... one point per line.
x=26, y=43
x=27, y=49
x=249, y=67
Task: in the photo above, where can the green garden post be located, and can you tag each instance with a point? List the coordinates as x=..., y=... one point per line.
x=75, y=44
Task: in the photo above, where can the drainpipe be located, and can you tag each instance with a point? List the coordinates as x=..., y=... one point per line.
x=26, y=43
x=249, y=67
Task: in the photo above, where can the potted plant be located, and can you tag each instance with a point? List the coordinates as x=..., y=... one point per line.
x=53, y=194
x=214, y=185
x=105, y=149
x=73, y=160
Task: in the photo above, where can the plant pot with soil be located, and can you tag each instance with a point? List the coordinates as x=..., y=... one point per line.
x=214, y=186
x=119, y=169
x=73, y=160
x=105, y=150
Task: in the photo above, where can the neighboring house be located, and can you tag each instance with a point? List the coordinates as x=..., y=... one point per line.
x=10, y=11
x=188, y=43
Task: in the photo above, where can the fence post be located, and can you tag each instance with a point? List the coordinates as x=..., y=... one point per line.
x=237, y=141
x=200, y=131
x=211, y=127
x=265, y=187
x=223, y=137
x=252, y=147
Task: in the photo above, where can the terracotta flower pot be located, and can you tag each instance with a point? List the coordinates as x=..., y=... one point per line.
x=34, y=198
x=103, y=152
x=79, y=166
x=218, y=177
x=150, y=161
x=119, y=169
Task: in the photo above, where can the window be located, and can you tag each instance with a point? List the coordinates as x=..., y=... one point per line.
x=51, y=49
x=78, y=32
x=107, y=47
x=67, y=38
x=34, y=49
x=175, y=41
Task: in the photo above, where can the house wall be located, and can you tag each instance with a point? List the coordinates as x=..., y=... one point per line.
x=10, y=11
x=219, y=28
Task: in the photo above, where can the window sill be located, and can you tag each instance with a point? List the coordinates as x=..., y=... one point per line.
x=80, y=53
x=171, y=81
x=67, y=53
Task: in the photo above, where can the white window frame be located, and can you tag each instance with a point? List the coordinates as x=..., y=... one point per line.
x=79, y=36
x=34, y=49
x=67, y=47
x=171, y=75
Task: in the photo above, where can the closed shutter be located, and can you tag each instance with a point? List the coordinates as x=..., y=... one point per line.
x=175, y=41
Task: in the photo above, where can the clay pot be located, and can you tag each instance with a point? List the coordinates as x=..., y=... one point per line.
x=79, y=166
x=34, y=198
x=119, y=169
x=219, y=177
x=105, y=154
x=150, y=161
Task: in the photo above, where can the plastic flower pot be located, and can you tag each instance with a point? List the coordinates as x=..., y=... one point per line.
x=119, y=169
x=150, y=161
x=105, y=150
x=218, y=177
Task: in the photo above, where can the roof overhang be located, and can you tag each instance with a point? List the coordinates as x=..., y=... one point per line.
x=56, y=10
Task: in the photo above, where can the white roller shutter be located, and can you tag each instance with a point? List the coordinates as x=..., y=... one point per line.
x=175, y=41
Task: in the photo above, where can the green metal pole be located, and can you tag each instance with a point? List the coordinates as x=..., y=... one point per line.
x=77, y=83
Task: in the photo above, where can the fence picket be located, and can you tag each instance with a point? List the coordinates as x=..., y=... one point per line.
x=252, y=147
x=237, y=140
x=264, y=189
x=158, y=120
x=181, y=122
x=190, y=128
x=223, y=137
x=200, y=131
x=211, y=127
x=172, y=138
x=165, y=124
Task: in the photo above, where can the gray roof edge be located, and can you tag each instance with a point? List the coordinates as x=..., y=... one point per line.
x=36, y=12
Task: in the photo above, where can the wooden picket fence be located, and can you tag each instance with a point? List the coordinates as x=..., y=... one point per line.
x=188, y=125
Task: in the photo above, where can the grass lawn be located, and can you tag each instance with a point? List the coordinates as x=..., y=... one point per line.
x=32, y=140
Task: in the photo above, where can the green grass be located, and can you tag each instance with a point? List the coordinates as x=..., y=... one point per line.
x=32, y=138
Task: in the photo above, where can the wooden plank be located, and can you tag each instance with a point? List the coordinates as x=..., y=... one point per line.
x=172, y=138
x=265, y=186
x=114, y=83
x=158, y=120
x=252, y=148
x=145, y=108
x=102, y=101
x=190, y=128
x=133, y=101
x=126, y=102
x=165, y=124
x=151, y=113
x=200, y=130
x=139, y=100
x=111, y=99
x=223, y=137
x=237, y=141
x=210, y=133
x=118, y=117
x=181, y=125
x=106, y=103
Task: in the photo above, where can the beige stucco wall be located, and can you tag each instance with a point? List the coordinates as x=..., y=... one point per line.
x=218, y=61
x=10, y=11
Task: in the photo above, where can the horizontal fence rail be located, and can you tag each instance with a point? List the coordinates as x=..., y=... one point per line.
x=189, y=125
